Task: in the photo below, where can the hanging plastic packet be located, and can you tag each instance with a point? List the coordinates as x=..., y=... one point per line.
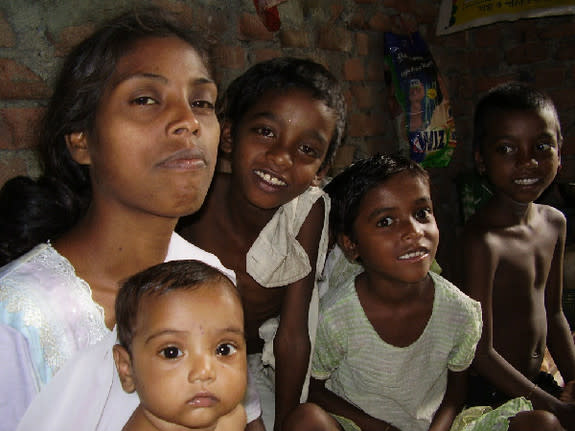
x=268, y=12
x=425, y=124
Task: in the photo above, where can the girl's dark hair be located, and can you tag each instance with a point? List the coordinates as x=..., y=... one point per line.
x=65, y=186
x=347, y=189
x=510, y=96
x=159, y=280
x=285, y=73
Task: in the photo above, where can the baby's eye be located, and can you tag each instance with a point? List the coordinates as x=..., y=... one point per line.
x=384, y=222
x=203, y=104
x=225, y=349
x=423, y=214
x=265, y=131
x=171, y=352
x=144, y=100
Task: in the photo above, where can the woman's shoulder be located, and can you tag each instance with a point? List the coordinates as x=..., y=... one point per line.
x=38, y=272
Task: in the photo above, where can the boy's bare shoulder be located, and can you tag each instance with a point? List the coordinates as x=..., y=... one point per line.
x=481, y=233
x=551, y=215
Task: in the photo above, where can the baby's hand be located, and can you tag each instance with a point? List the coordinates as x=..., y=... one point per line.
x=568, y=393
x=233, y=421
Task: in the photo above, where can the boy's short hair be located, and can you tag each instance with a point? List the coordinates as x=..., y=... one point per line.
x=510, y=96
x=158, y=280
x=347, y=189
x=285, y=73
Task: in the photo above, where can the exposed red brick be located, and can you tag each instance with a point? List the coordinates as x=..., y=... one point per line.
x=69, y=37
x=568, y=149
x=18, y=127
x=563, y=97
x=376, y=69
x=550, y=76
x=380, y=22
x=366, y=97
x=335, y=39
x=231, y=57
x=336, y=10
x=18, y=82
x=487, y=37
x=7, y=37
x=266, y=54
x=483, y=59
x=354, y=70
x=295, y=39
x=565, y=51
x=379, y=144
x=483, y=84
x=362, y=43
x=366, y=125
x=559, y=31
x=252, y=28
x=523, y=31
x=343, y=158
x=358, y=21
x=365, y=1
x=454, y=40
x=527, y=53
x=427, y=12
x=12, y=165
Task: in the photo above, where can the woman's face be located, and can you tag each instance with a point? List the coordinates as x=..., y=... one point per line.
x=154, y=142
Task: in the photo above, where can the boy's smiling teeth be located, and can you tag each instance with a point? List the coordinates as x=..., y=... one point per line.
x=412, y=255
x=275, y=181
x=526, y=181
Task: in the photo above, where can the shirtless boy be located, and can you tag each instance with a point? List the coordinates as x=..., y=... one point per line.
x=513, y=252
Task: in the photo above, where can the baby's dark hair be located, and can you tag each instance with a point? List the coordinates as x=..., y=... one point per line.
x=510, y=96
x=156, y=281
x=347, y=189
x=285, y=73
x=81, y=82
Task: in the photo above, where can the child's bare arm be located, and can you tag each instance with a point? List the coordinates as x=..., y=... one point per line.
x=334, y=404
x=292, y=343
x=452, y=401
x=559, y=338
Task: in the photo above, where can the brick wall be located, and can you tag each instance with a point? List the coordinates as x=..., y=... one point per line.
x=345, y=35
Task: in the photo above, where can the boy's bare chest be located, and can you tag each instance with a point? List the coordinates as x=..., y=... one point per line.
x=524, y=258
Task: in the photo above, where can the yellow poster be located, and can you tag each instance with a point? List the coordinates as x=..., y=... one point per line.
x=457, y=15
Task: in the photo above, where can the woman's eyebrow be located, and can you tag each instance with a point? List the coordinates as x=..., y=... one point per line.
x=156, y=77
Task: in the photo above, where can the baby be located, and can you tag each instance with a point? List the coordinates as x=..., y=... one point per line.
x=186, y=362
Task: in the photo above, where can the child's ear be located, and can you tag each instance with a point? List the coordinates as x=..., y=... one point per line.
x=226, y=137
x=319, y=176
x=348, y=247
x=124, y=366
x=77, y=144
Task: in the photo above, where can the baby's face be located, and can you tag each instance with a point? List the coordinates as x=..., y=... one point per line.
x=520, y=153
x=189, y=356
